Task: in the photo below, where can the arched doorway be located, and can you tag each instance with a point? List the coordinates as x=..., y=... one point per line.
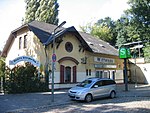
x=68, y=74
x=68, y=70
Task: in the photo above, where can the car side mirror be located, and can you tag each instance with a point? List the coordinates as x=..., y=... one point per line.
x=95, y=86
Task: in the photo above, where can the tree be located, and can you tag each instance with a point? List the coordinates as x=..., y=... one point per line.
x=140, y=18
x=87, y=28
x=2, y=67
x=122, y=26
x=48, y=11
x=103, y=29
x=140, y=21
x=42, y=10
x=31, y=8
x=107, y=21
x=102, y=32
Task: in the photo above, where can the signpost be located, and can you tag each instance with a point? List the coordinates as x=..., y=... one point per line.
x=54, y=57
x=124, y=53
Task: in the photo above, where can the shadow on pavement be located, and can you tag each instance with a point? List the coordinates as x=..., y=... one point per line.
x=30, y=101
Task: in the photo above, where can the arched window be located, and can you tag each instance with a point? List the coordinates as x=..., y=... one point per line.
x=25, y=41
x=20, y=42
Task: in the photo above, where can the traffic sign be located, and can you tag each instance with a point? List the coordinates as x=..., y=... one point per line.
x=54, y=57
x=124, y=52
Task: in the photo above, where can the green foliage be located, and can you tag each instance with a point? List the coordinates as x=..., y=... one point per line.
x=31, y=8
x=103, y=29
x=42, y=10
x=140, y=23
x=139, y=19
x=102, y=32
x=87, y=28
x=133, y=26
x=147, y=53
x=24, y=79
x=2, y=67
x=122, y=26
x=48, y=11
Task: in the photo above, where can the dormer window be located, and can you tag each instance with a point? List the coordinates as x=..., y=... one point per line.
x=102, y=45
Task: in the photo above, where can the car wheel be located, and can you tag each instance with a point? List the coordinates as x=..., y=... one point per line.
x=88, y=98
x=113, y=94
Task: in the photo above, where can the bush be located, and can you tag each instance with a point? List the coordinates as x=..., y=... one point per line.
x=24, y=79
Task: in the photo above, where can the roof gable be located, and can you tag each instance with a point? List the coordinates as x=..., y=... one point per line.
x=41, y=34
x=44, y=30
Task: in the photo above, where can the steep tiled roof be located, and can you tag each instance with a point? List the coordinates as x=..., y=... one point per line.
x=44, y=30
x=98, y=45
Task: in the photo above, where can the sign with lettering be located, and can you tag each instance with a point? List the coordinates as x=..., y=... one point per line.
x=128, y=53
x=24, y=58
x=124, y=53
x=104, y=60
x=104, y=66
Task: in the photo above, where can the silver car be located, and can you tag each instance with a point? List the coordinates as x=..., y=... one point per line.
x=93, y=88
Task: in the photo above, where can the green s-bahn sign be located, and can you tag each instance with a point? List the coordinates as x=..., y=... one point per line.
x=124, y=52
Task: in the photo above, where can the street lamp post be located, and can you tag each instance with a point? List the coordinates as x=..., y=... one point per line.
x=54, y=58
x=135, y=67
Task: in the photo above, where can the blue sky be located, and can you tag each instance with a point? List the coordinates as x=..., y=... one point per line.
x=74, y=12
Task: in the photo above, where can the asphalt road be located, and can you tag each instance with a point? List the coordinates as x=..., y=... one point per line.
x=136, y=100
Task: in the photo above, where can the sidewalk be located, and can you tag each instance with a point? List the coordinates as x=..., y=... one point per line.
x=138, y=90
x=20, y=102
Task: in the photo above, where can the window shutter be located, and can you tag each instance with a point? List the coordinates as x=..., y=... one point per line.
x=62, y=74
x=74, y=74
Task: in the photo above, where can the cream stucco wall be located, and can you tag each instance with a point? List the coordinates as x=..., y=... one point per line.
x=61, y=52
x=35, y=49
x=14, y=50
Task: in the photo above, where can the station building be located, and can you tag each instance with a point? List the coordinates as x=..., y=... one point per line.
x=78, y=55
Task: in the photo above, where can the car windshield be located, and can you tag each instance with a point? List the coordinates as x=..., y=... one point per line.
x=85, y=83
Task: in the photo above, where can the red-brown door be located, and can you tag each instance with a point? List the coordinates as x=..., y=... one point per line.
x=62, y=73
x=74, y=74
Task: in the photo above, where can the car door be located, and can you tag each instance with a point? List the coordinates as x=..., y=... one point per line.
x=106, y=87
x=97, y=89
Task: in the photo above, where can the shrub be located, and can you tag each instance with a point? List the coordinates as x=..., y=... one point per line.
x=24, y=79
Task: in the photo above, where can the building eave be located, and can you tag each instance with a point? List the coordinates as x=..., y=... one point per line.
x=10, y=40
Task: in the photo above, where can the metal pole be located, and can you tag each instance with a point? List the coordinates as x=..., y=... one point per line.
x=53, y=67
x=135, y=67
x=53, y=63
x=125, y=74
